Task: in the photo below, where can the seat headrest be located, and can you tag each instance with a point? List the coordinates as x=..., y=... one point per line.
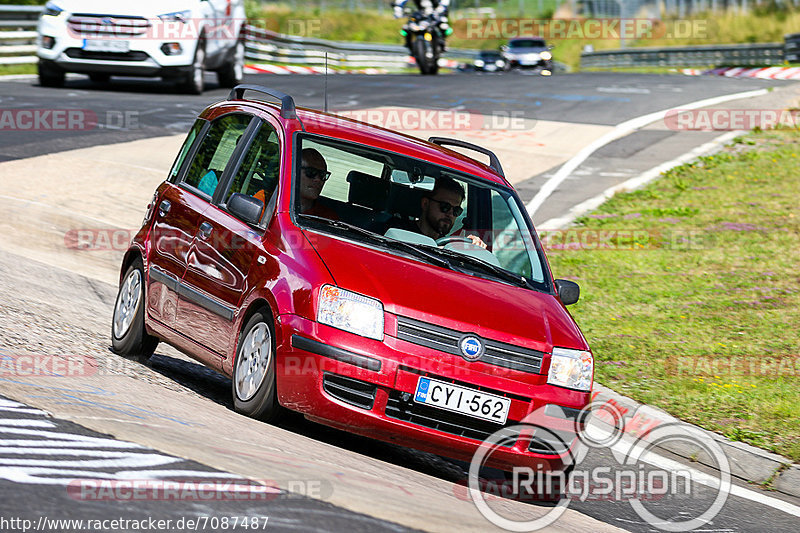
x=367, y=191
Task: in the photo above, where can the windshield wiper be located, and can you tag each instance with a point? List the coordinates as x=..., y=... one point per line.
x=385, y=241
x=502, y=273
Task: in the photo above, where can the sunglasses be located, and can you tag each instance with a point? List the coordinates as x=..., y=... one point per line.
x=445, y=208
x=316, y=173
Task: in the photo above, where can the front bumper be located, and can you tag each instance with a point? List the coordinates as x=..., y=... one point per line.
x=367, y=387
x=144, y=55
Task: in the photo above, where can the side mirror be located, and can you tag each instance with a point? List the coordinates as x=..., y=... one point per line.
x=245, y=208
x=568, y=291
x=504, y=48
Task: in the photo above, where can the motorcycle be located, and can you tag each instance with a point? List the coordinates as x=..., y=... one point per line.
x=425, y=40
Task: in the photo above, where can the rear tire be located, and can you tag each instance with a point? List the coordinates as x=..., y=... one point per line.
x=254, y=385
x=50, y=75
x=232, y=74
x=128, y=335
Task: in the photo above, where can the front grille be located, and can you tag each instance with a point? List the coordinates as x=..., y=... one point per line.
x=349, y=390
x=401, y=406
x=107, y=26
x=77, y=53
x=446, y=340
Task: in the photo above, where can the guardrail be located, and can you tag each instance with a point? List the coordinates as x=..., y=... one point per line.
x=792, y=48
x=738, y=55
x=260, y=45
x=17, y=35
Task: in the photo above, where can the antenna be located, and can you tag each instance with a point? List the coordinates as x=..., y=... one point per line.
x=326, y=82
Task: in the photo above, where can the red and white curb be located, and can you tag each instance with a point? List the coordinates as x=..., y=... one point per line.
x=295, y=69
x=768, y=73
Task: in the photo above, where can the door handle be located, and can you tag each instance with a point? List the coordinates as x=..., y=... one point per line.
x=164, y=207
x=205, y=230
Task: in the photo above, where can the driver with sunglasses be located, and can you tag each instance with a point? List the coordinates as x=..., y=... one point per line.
x=313, y=175
x=440, y=209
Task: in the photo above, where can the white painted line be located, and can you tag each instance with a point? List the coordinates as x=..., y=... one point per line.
x=16, y=422
x=634, y=183
x=64, y=444
x=129, y=460
x=709, y=480
x=31, y=411
x=621, y=130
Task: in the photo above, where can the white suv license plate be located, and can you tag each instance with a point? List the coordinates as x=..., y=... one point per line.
x=462, y=400
x=106, y=45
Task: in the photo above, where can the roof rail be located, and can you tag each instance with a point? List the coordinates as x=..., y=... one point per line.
x=287, y=102
x=494, y=162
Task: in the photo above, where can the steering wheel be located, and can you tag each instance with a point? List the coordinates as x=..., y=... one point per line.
x=444, y=241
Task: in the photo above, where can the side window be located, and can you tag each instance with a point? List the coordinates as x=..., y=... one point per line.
x=258, y=174
x=215, y=151
x=187, y=144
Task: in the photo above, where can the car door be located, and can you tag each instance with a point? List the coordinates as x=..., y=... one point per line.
x=176, y=218
x=225, y=247
x=219, y=27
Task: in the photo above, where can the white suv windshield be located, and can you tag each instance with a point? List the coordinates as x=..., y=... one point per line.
x=454, y=220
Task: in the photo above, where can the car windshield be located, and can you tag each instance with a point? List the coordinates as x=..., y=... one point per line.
x=527, y=43
x=490, y=55
x=413, y=208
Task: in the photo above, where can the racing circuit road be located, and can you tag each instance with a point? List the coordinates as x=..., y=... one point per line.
x=177, y=414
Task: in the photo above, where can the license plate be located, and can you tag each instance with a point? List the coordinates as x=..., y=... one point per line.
x=462, y=400
x=106, y=45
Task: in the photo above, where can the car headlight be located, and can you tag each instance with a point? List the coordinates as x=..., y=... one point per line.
x=479, y=62
x=572, y=369
x=51, y=10
x=500, y=63
x=547, y=56
x=178, y=16
x=350, y=311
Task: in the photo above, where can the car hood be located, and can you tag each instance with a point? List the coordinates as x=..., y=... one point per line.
x=141, y=8
x=465, y=303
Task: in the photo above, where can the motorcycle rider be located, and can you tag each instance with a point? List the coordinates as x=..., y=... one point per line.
x=427, y=7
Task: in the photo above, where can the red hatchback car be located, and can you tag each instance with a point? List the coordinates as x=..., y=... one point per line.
x=372, y=281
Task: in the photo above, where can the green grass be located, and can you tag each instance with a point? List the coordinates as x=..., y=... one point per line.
x=17, y=69
x=698, y=313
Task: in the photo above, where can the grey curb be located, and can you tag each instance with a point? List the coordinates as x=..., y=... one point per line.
x=747, y=462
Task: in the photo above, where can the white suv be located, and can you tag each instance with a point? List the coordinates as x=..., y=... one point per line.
x=174, y=39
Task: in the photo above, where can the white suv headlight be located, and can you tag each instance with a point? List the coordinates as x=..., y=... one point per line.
x=178, y=16
x=572, y=369
x=51, y=10
x=350, y=311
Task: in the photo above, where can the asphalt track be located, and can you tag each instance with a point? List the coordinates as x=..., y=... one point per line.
x=49, y=306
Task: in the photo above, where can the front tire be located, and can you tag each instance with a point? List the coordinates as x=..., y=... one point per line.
x=194, y=83
x=128, y=335
x=50, y=75
x=254, y=386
